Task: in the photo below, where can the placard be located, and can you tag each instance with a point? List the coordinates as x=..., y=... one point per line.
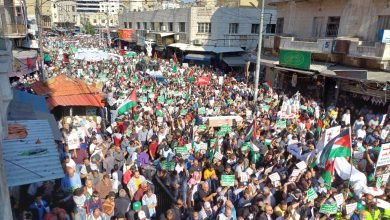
x=274, y=177
x=183, y=112
x=218, y=155
x=311, y=194
x=73, y=141
x=301, y=165
x=350, y=208
x=181, y=150
x=143, y=99
x=281, y=124
x=268, y=170
x=202, y=111
x=384, y=155
x=227, y=180
x=295, y=173
x=244, y=177
x=161, y=99
x=170, y=166
x=202, y=127
x=339, y=199
x=329, y=208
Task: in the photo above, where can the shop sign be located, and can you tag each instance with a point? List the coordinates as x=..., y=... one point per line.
x=295, y=59
x=125, y=34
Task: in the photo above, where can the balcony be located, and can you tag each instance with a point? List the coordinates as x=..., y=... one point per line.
x=13, y=21
x=290, y=43
x=377, y=50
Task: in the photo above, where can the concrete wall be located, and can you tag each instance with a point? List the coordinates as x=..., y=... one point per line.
x=358, y=17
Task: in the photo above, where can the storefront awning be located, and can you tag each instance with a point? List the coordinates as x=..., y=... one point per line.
x=294, y=70
x=32, y=157
x=188, y=47
x=199, y=57
x=166, y=34
x=353, y=73
x=234, y=61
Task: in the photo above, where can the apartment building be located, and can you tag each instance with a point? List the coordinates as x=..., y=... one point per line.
x=64, y=14
x=199, y=27
x=98, y=13
x=343, y=43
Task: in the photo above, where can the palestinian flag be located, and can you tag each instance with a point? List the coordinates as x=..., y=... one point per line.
x=158, y=110
x=339, y=146
x=251, y=131
x=128, y=104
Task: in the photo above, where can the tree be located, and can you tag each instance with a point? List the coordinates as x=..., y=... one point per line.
x=89, y=28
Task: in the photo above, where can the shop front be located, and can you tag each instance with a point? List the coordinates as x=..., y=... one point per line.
x=126, y=38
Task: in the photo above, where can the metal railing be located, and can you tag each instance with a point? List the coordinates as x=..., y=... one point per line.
x=165, y=199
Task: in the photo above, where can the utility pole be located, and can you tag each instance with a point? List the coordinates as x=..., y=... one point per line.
x=38, y=7
x=108, y=27
x=259, y=45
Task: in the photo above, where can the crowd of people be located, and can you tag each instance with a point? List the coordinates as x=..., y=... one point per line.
x=218, y=153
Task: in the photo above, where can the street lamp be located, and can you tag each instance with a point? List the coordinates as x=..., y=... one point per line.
x=259, y=47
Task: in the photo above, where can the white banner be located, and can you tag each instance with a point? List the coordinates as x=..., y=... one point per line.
x=384, y=155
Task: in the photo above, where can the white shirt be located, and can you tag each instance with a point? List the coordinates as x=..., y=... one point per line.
x=360, y=133
x=346, y=119
x=146, y=200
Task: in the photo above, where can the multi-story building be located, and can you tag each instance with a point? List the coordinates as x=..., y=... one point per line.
x=13, y=27
x=45, y=11
x=343, y=43
x=64, y=14
x=98, y=13
x=196, y=27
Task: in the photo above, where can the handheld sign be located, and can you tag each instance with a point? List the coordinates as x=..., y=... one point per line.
x=227, y=180
x=329, y=208
x=350, y=208
x=311, y=194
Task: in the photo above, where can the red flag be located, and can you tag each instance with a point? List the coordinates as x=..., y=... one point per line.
x=29, y=62
x=203, y=81
x=174, y=58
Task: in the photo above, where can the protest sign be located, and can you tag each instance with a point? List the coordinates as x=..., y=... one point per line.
x=281, y=124
x=339, y=199
x=143, y=99
x=151, y=95
x=244, y=177
x=246, y=146
x=170, y=101
x=274, y=177
x=218, y=155
x=212, y=142
x=329, y=208
x=295, y=173
x=202, y=127
x=181, y=150
x=183, y=112
x=267, y=100
x=226, y=128
x=382, y=204
x=202, y=111
x=330, y=133
x=350, y=208
x=160, y=119
x=161, y=99
x=73, y=141
x=381, y=179
x=384, y=155
x=311, y=194
x=265, y=108
x=301, y=165
x=358, y=155
x=170, y=166
x=227, y=180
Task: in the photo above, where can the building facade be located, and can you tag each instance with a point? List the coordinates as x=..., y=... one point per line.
x=201, y=26
x=339, y=47
x=64, y=14
x=98, y=13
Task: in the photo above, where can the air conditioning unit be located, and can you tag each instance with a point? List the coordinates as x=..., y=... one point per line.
x=197, y=42
x=177, y=37
x=163, y=28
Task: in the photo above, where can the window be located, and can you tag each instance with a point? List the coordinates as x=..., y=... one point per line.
x=161, y=26
x=73, y=8
x=130, y=25
x=94, y=21
x=383, y=23
x=125, y=24
x=103, y=21
x=110, y=21
x=145, y=25
x=270, y=28
x=316, y=30
x=255, y=28
x=332, y=27
x=279, y=25
x=152, y=26
x=204, y=27
x=182, y=27
x=170, y=26
x=233, y=28
x=138, y=25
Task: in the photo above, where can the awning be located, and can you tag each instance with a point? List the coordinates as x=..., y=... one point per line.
x=38, y=102
x=34, y=158
x=75, y=100
x=188, y=47
x=234, y=61
x=353, y=73
x=199, y=57
x=166, y=34
x=159, y=48
x=24, y=62
x=294, y=70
